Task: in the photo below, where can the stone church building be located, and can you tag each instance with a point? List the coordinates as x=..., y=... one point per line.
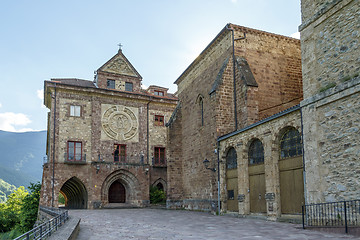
x=241, y=79
x=106, y=138
x=264, y=126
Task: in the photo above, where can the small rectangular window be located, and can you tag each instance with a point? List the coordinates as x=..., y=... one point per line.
x=159, y=156
x=159, y=93
x=119, y=153
x=111, y=84
x=159, y=120
x=75, y=111
x=231, y=194
x=128, y=86
x=74, y=151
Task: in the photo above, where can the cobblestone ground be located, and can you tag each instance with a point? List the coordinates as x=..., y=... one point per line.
x=171, y=224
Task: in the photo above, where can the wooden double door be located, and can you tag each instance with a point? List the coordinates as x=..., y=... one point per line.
x=257, y=188
x=291, y=185
x=117, y=193
x=232, y=190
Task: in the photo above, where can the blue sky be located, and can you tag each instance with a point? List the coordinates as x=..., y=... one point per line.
x=41, y=40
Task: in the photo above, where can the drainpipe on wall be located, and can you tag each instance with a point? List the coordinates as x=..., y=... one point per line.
x=218, y=173
x=147, y=131
x=233, y=39
x=234, y=78
x=53, y=152
x=303, y=154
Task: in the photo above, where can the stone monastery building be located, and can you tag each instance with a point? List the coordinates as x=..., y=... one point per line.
x=106, y=138
x=260, y=124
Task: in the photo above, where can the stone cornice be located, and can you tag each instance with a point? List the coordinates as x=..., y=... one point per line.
x=320, y=16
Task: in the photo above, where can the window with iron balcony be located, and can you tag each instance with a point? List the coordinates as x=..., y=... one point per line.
x=74, y=152
x=159, y=156
x=119, y=153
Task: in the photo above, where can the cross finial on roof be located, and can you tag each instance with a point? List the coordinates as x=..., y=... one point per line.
x=120, y=46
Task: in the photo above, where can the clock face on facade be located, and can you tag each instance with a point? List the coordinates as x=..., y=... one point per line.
x=119, y=123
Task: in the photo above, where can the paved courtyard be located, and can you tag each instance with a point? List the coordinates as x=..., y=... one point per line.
x=171, y=224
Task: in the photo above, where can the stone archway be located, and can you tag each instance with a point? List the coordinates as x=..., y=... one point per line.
x=121, y=186
x=75, y=194
x=160, y=184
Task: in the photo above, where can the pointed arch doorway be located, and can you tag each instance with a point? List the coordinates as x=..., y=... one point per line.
x=117, y=193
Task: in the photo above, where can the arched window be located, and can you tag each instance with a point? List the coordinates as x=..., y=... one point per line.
x=201, y=106
x=290, y=144
x=231, y=159
x=256, y=152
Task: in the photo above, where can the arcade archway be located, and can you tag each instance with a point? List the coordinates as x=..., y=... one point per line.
x=75, y=194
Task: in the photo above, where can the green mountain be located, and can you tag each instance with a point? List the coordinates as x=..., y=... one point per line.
x=5, y=190
x=21, y=157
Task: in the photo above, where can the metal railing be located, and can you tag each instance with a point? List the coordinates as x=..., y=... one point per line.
x=45, y=230
x=75, y=158
x=333, y=214
x=110, y=158
x=159, y=162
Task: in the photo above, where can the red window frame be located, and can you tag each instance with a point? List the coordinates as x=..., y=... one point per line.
x=159, y=93
x=73, y=151
x=159, y=156
x=159, y=120
x=119, y=153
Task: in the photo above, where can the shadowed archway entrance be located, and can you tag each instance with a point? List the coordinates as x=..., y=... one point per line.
x=121, y=186
x=75, y=194
x=117, y=193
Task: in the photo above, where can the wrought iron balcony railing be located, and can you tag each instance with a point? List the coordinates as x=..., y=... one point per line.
x=74, y=158
x=156, y=162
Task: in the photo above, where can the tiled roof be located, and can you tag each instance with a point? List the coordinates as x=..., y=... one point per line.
x=74, y=81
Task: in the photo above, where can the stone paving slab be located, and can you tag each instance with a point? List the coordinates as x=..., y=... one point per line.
x=156, y=224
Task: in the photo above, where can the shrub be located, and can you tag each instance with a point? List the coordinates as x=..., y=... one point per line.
x=157, y=195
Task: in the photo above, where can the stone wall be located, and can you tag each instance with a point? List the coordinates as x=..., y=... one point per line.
x=269, y=133
x=330, y=44
x=331, y=65
x=331, y=142
x=206, y=94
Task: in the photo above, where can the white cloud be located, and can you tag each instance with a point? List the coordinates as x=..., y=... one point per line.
x=40, y=94
x=0, y=105
x=295, y=35
x=9, y=120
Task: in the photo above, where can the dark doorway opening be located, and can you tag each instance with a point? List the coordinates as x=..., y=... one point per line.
x=117, y=193
x=160, y=186
x=75, y=194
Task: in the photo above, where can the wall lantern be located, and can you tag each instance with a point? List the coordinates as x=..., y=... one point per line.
x=207, y=163
x=97, y=168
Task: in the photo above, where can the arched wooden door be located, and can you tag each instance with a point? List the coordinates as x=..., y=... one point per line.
x=257, y=177
x=232, y=181
x=117, y=193
x=291, y=172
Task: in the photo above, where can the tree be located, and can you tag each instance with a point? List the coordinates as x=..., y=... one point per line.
x=10, y=211
x=30, y=207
